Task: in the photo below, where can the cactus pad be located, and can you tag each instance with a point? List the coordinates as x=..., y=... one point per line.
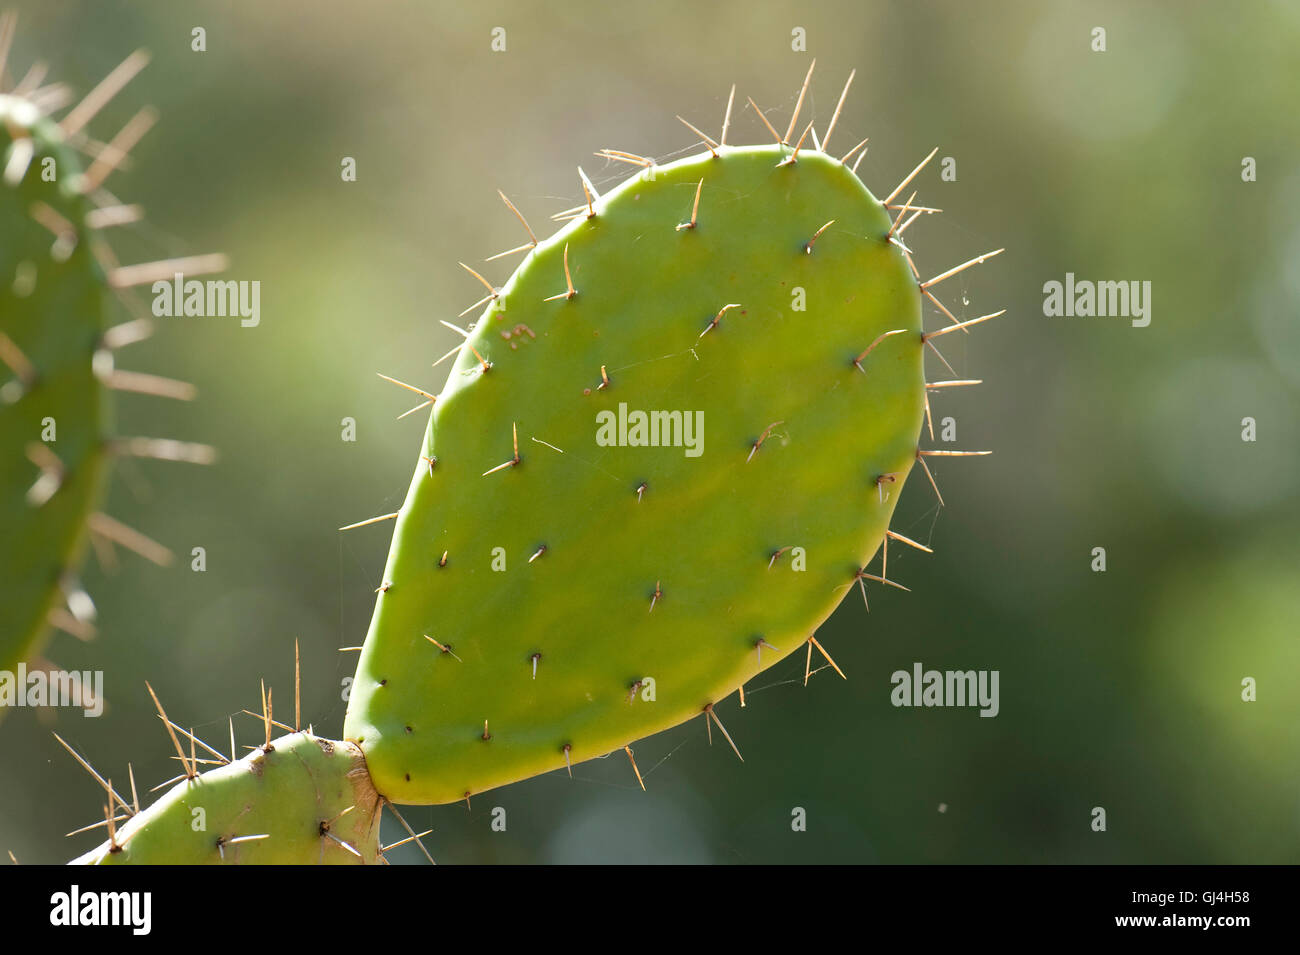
x=659, y=462
x=53, y=304
x=664, y=453
x=58, y=279
x=301, y=800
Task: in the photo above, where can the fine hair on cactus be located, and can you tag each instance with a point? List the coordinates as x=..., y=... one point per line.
x=668, y=446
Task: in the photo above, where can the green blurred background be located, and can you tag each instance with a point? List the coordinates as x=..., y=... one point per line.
x=1119, y=689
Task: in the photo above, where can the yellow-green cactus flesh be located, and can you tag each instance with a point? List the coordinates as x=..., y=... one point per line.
x=301, y=801
x=554, y=560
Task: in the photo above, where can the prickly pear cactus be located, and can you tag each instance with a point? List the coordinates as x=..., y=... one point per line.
x=666, y=451
x=668, y=448
x=299, y=800
x=58, y=282
x=54, y=410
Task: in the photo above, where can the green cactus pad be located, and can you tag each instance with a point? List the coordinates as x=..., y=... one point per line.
x=631, y=567
x=58, y=282
x=301, y=801
x=53, y=305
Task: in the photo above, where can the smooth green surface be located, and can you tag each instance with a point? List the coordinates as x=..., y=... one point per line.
x=52, y=306
x=705, y=527
x=291, y=794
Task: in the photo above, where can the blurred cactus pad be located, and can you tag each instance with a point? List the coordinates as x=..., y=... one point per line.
x=54, y=411
x=59, y=283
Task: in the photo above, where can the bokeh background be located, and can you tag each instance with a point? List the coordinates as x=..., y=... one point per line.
x=1119, y=689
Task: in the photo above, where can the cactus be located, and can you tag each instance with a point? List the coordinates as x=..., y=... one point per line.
x=53, y=300
x=58, y=280
x=295, y=800
x=619, y=564
x=668, y=448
